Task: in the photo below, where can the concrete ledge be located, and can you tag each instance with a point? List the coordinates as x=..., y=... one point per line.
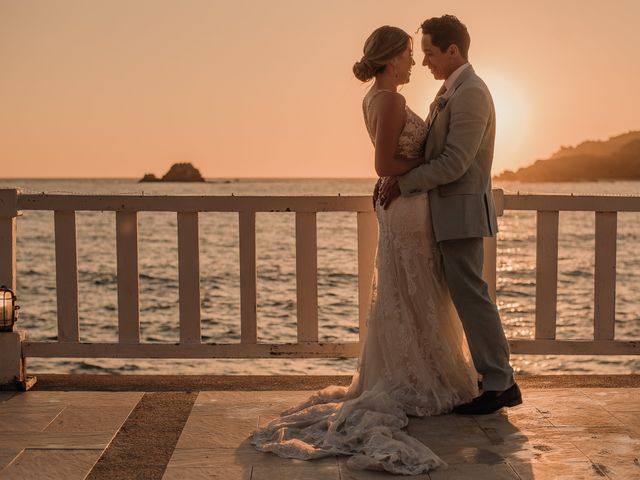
x=160, y=383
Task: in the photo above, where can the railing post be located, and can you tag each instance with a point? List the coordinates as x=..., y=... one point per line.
x=189, y=277
x=307, y=276
x=248, y=323
x=605, y=276
x=546, y=274
x=8, y=214
x=66, y=275
x=13, y=366
x=127, y=268
x=367, y=243
x=490, y=265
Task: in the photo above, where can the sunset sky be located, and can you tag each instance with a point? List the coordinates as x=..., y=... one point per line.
x=118, y=88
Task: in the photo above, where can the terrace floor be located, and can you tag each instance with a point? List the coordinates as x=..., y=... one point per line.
x=177, y=428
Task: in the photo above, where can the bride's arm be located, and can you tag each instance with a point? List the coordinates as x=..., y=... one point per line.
x=391, y=116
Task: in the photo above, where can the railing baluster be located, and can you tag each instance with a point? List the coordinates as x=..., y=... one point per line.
x=248, y=326
x=605, y=276
x=307, y=276
x=489, y=268
x=546, y=274
x=367, y=242
x=127, y=253
x=490, y=264
x=189, y=277
x=66, y=275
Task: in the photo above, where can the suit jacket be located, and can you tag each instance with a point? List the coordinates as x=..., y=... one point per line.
x=458, y=157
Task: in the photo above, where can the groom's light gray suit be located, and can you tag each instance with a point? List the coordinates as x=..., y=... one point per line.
x=457, y=175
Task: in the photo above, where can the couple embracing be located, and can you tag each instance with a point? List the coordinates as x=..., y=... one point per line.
x=433, y=330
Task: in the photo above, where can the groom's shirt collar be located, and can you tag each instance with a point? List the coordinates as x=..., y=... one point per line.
x=449, y=82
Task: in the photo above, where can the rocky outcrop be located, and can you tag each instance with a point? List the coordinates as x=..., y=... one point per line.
x=179, y=172
x=615, y=159
x=149, y=177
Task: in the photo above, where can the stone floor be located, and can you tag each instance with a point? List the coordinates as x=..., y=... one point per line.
x=558, y=433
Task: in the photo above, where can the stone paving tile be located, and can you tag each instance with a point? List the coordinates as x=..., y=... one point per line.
x=500, y=471
x=557, y=471
x=556, y=398
x=442, y=422
x=13, y=408
x=244, y=454
x=631, y=420
x=44, y=464
x=513, y=423
x=583, y=417
x=348, y=474
x=7, y=455
x=251, y=405
x=618, y=467
x=95, y=399
x=543, y=450
x=55, y=440
x=448, y=429
x=4, y=396
x=468, y=444
x=27, y=422
x=310, y=472
x=602, y=440
x=616, y=400
x=214, y=431
x=90, y=419
x=233, y=472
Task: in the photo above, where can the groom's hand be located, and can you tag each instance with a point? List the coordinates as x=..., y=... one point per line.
x=389, y=191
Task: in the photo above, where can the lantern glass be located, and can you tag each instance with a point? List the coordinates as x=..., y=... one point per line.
x=7, y=309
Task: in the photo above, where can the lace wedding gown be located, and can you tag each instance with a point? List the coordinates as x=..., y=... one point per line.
x=414, y=361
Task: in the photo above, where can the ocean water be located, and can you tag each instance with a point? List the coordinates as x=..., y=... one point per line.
x=337, y=277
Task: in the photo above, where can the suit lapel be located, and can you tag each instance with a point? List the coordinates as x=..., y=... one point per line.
x=466, y=73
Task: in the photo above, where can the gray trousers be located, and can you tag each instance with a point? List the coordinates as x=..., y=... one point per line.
x=462, y=260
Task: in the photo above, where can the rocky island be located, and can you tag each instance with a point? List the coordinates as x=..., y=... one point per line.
x=179, y=172
x=615, y=159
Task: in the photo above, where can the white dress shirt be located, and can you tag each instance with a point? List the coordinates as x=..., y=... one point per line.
x=452, y=78
x=448, y=83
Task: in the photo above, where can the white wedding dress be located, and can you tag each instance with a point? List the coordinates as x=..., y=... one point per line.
x=414, y=361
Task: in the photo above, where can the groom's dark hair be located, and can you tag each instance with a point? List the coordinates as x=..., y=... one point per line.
x=447, y=30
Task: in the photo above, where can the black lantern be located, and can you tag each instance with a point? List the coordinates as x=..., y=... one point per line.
x=8, y=309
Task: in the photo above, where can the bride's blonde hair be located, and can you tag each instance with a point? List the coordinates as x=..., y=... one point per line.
x=382, y=45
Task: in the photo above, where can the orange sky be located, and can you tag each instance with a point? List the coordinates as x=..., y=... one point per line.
x=264, y=88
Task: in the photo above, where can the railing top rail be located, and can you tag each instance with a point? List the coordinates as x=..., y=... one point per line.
x=195, y=203
x=329, y=203
x=576, y=203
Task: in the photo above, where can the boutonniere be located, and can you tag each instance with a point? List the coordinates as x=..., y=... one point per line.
x=441, y=102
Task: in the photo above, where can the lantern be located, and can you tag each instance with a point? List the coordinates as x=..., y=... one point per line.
x=8, y=309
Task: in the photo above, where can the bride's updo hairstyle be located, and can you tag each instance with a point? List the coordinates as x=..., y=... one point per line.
x=382, y=45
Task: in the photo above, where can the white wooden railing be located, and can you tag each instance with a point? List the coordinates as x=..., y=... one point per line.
x=12, y=202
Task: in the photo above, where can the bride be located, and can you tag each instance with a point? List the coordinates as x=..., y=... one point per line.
x=415, y=359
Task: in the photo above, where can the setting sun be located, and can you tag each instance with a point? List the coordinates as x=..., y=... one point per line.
x=512, y=117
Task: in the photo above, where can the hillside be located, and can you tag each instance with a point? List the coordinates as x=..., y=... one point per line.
x=615, y=159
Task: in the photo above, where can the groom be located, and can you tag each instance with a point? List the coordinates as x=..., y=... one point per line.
x=457, y=175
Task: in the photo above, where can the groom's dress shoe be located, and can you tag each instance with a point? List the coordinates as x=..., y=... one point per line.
x=490, y=401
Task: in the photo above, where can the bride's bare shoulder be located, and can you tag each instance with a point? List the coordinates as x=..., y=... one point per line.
x=385, y=101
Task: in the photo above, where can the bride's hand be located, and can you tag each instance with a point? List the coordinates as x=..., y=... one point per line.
x=376, y=191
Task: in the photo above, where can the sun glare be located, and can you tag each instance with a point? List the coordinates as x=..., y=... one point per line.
x=512, y=119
